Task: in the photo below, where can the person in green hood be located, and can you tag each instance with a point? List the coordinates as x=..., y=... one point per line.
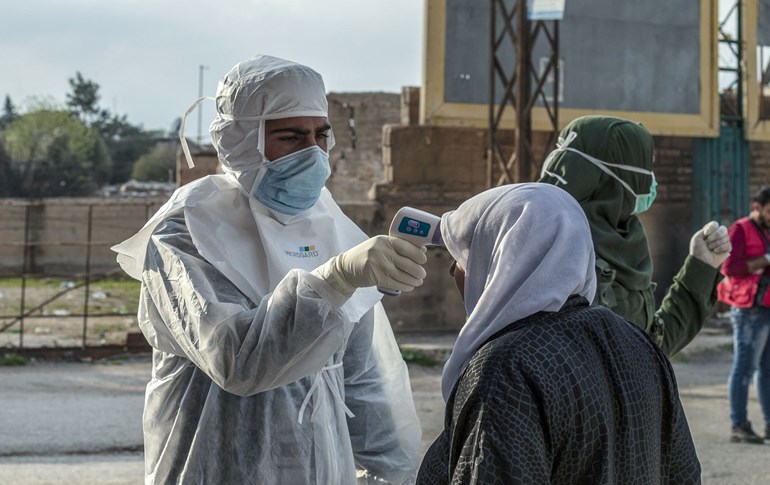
x=605, y=163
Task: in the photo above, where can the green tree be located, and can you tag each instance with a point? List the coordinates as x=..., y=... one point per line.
x=125, y=142
x=55, y=154
x=83, y=100
x=9, y=113
x=155, y=165
x=8, y=182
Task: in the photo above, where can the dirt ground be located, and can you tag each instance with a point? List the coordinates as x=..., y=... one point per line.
x=56, y=304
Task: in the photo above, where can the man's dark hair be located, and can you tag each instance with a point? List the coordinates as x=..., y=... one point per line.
x=762, y=197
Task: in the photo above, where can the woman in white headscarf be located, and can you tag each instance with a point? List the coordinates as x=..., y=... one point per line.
x=540, y=386
x=273, y=360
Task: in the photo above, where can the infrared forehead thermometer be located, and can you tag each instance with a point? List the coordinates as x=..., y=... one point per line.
x=419, y=228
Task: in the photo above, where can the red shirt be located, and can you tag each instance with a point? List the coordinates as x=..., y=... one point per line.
x=737, y=263
x=740, y=287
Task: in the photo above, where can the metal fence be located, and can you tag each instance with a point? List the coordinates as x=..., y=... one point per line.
x=62, y=290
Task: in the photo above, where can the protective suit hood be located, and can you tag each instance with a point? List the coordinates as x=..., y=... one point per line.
x=224, y=220
x=259, y=89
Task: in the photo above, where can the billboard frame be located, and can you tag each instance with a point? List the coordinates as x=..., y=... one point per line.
x=435, y=111
x=755, y=129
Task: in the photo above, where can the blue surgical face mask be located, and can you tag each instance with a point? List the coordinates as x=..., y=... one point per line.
x=293, y=183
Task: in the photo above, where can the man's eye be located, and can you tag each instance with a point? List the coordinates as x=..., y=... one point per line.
x=324, y=134
x=288, y=138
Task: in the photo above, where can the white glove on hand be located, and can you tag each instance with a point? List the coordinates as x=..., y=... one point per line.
x=382, y=261
x=711, y=244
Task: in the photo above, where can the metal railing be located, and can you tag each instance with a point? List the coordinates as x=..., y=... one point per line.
x=78, y=272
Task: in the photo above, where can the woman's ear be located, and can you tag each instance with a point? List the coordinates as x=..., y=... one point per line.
x=459, y=275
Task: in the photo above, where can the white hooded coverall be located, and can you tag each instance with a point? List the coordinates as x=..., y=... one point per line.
x=262, y=372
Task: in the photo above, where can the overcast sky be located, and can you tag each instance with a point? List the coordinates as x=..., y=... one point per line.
x=145, y=54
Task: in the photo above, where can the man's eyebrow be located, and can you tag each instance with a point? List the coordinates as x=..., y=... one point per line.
x=296, y=131
x=302, y=131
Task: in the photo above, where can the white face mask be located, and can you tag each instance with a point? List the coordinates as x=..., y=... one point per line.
x=643, y=201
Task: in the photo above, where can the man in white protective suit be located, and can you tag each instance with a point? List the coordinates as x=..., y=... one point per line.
x=273, y=360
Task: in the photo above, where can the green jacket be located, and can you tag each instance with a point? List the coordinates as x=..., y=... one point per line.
x=623, y=260
x=689, y=301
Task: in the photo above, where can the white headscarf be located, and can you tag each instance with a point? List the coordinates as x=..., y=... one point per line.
x=525, y=248
x=254, y=246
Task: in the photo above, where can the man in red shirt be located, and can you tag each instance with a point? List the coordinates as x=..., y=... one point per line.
x=745, y=288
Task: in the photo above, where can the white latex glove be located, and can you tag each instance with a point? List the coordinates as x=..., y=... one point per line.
x=711, y=244
x=380, y=261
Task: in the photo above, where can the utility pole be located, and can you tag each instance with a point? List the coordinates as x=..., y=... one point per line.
x=522, y=86
x=201, y=68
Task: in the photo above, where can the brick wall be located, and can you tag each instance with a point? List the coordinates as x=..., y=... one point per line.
x=433, y=169
x=357, y=163
x=12, y=217
x=58, y=229
x=669, y=222
x=759, y=167
x=673, y=169
x=205, y=159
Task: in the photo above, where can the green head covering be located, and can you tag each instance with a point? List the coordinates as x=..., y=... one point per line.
x=618, y=235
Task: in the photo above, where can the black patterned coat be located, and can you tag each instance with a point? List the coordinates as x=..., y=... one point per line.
x=575, y=396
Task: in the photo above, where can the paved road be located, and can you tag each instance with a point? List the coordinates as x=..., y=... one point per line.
x=77, y=423
x=72, y=423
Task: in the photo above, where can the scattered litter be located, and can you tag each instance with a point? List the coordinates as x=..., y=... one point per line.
x=42, y=330
x=67, y=284
x=99, y=295
x=62, y=312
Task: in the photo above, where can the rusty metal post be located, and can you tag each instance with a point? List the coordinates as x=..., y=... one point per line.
x=88, y=273
x=522, y=89
x=556, y=74
x=24, y=270
x=523, y=94
x=491, y=126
